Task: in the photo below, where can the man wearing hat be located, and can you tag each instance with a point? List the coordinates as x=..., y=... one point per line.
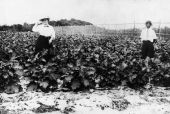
x=47, y=35
x=148, y=37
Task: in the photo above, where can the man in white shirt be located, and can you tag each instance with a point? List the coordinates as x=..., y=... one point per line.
x=47, y=35
x=148, y=37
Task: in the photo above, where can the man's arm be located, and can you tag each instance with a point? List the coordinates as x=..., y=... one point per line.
x=36, y=27
x=155, y=40
x=154, y=37
x=52, y=35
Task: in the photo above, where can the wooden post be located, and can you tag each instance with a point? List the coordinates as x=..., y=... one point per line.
x=165, y=33
x=134, y=30
x=159, y=30
x=124, y=29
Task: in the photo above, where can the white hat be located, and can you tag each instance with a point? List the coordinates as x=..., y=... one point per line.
x=45, y=18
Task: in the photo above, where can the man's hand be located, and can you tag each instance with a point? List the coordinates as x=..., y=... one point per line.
x=155, y=46
x=50, y=41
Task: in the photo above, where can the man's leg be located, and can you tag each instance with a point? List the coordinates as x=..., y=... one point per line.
x=144, y=50
x=49, y=54
x=39, y=45
x=151, y=51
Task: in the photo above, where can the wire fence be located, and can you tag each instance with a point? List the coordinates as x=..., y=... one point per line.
x=162, y=29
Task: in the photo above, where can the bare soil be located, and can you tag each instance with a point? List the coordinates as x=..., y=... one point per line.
x=121, y=100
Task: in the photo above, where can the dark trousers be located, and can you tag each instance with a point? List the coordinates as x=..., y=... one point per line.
x=41, y=44
x=147, y=49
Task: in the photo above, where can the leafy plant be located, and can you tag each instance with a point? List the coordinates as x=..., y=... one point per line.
x=81, y=62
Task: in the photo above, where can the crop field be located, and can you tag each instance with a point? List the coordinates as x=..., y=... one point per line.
x=80, y=63
x=82, y=30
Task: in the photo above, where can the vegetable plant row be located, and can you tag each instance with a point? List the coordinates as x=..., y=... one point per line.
x=79, y=62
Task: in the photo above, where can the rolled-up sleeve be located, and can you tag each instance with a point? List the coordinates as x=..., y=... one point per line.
x=35, y=28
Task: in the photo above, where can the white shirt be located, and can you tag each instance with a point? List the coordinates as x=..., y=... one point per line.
x=44, y=30
x=148, y=34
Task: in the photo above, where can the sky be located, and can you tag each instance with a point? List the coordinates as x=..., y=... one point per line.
x=94, y=11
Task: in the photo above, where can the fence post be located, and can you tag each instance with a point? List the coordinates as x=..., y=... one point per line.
x=160, y=30
x=134, y=30
x=125, y=29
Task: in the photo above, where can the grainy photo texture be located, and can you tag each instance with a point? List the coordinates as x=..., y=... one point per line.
x=84, y=57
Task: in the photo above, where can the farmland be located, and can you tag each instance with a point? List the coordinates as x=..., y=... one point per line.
x=80, y=63
x=83, y=61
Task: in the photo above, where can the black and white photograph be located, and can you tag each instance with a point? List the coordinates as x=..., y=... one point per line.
x=84, y=56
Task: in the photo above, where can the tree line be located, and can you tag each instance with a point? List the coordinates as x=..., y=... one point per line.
x=28, y=27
